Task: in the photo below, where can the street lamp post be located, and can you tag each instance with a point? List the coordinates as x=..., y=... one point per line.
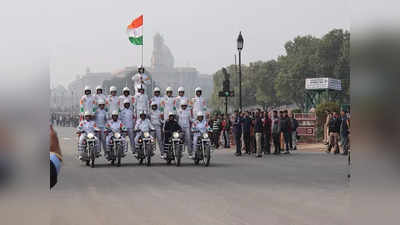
x=240, y=42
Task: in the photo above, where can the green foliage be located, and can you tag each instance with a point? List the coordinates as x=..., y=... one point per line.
x=297, y=111
x=282, y=81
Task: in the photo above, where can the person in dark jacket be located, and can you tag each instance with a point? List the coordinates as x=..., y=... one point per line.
x=344, y=132
x=237, y=132
x=285, y=129
x=216, y=127
x=226, y=127
x=334, y=129
x=267, y=133
x=247, y=124
x=293, y=137
x=258, y=130
x=276, y=132
x=170, y=126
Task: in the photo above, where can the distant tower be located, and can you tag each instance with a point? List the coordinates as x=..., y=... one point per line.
x=162, y=56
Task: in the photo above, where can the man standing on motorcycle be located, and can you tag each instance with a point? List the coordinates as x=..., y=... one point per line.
x=112, y=103
x=141, y=101
x=170, y=126
x=168, y=103
x=199, y=127
x=101, y=120
x=156, y=97
x=142, y=125
x=86, y=126
x=180, y=98
x=128, y=119
x=112, y=126
x=198, y=103
x=126, y=96
x=156, y=119
x=185, y=122
x=87, y=102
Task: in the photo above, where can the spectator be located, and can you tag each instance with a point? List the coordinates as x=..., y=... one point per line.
x=216, y=126
x=294, y=125
x=276, y=132
x=326, y=129
x=344, y=132
x=334, y=129
x=226, y=126
x=258, y=130
x=237, y=132
x=267, y=133
x=285, y=129
x=247, y=124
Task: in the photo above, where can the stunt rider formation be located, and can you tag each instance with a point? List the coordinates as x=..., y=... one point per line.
x=172, y=123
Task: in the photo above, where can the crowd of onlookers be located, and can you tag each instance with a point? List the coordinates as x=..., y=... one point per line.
x=64, y=119
x=262, y=132
x=256, y=131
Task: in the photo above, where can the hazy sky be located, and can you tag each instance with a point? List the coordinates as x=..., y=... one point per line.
x=199, y=33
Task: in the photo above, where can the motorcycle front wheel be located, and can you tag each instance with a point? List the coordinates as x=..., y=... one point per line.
x=207, y=157
x=148, y=152
x=178, y=156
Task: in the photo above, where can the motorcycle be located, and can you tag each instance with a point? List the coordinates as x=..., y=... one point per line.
x=90, y=149
x=145, y=148
x=175, y=148
x=117, y=150
x=203, y=150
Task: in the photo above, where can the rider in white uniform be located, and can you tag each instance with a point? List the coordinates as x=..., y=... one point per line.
x=141, y=79
x=141, y=102
x=99, y=95
x=157, y=121
x=168, y=103
x=126, y=96
x=185, y=122
x=87, y=102
x=142, y=125
x=198, y=103
x=86, y=126
x=156, y=97
x=180, y=98
x=115, y=125
x=127, y=117
x=199, y=127
x=101, y=120
x=112, y=103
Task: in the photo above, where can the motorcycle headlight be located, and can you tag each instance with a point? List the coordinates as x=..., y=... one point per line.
x=140, y=140
x=175, y=135
x=205, y=135
x=90, y=135
x=146, y=134
x=117, y=135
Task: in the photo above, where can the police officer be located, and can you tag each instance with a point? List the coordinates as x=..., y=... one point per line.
x=101, y=120
x=168, y=103
x=87, y=102
x=126, y=95
x=156, y=97
x=112, y=102
x=185, y=122
x=156, y=119
x=128, y=119
x=180, y=98
x=141, y=101
x=198, y=103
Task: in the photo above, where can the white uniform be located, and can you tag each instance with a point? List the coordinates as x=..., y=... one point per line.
x=127, y=118
x=112, y=104
x=122, y=98
x=167, y=105
x=87, y=127
x=115, y=126
x=142, y=126
x=97, y=97
x=87, y=104
x=141, y=79
x=198, y=128
x=141, y=104
x=156, y=121
x=179, y=100
x=185, y=121
x=156, y=99
x=198, y=104
x=101, y=120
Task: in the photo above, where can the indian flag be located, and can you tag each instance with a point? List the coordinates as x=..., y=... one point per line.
x=135, y=31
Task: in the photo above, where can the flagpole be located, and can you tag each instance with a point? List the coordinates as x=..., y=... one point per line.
x=142, y=41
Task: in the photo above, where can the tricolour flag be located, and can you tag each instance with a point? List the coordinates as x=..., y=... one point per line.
x=135, y=31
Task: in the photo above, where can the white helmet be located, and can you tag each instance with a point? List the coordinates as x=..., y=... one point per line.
x=99, y=88
x=154, y=103
x=87, y=88
x=197, y=89
x=183, y=102
x=168, y=89
x=126, y=101
x=114, y=113
x=87, y=113
x=200, y=114
x=125, y=89
x=171, y=114
x=156, y=89
x=142, y=112
x=181, y=89
x=113, y=88
x=100, y=102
